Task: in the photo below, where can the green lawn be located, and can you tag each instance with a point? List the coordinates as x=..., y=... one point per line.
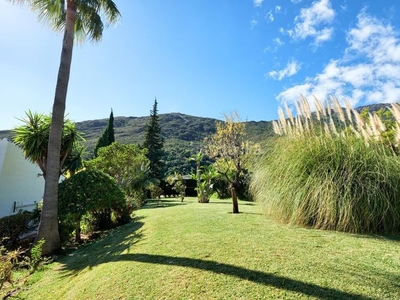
x=202, y=251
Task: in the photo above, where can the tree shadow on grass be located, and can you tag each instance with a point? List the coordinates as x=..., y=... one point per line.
x=248, y=203
x=382, y=237
x=162, y=203
x=259, y=277
x=117, y=252
x=393, y=238
x=229, y=201
x=105, y=250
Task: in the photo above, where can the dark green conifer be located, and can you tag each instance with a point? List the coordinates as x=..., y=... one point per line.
x=154, y=142
x=107, y=137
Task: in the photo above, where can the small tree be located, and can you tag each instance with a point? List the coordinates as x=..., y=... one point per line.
x=178, y=184
x=200, y=190
x=204, y=176
x=127, y=164
x=155, y=190
x=107, y=137
x=154, y=143
x=88, y=191
x=231, y=152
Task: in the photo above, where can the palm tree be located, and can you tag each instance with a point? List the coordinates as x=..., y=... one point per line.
x=81, y=18
x=33, y=137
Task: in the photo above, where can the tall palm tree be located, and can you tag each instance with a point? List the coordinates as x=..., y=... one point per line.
x=81, y=19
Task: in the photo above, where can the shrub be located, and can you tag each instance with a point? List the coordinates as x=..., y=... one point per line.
x=126, y=163
x=94, y=192
x=155, y=191
x=6, y=268
x=330, y=179
x=8, y=260
x=35, y=259
x=222, y=187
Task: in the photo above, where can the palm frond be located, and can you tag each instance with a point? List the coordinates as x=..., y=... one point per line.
x=51, y=12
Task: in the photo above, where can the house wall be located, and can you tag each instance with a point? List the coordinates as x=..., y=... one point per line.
x=3, y=148
x=19, y=180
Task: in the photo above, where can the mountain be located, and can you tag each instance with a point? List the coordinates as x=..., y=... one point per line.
x=183, y=135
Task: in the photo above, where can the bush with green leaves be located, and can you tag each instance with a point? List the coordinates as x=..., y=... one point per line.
x=34, y=260
x=93, y=192
x=221, y=186
x=177, y=183
x=320, y=176
x=127, y=164
x=155, y=190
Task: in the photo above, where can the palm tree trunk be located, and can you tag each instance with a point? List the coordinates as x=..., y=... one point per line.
x=48, y=227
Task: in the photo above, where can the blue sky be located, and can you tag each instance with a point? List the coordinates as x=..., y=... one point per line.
x=206, y=58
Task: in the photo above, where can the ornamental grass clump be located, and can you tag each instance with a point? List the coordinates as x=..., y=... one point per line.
x=331, y=169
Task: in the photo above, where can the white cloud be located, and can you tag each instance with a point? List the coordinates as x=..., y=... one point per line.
x=257, y=3
x=296, y=1
x=291, y=69
x=278, y=8
x=269, y=16
x=278, y=42
x=374, y=39
x=253, y=22
x=324, y=35
x=295, y=92
x=369, y=72
x=310, y=21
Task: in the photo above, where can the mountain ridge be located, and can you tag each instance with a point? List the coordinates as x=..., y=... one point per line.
x=183, y=134
x=125, y=126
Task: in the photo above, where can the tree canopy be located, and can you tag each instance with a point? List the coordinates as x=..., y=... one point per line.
x=126, y=163
x=231, y=151
x=88, y=191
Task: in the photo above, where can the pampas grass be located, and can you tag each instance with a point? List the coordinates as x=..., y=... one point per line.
x=331, y=171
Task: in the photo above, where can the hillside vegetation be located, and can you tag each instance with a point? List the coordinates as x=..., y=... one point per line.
x=183, y=135
x=175, y=127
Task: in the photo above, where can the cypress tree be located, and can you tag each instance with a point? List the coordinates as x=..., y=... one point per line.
x=154, y=143
x=110, y=129
x=107, y=137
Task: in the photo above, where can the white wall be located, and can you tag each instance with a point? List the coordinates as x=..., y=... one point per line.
x=3, y=148
x=19, y=180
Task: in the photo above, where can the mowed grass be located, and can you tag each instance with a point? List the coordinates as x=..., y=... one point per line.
x=189, y=250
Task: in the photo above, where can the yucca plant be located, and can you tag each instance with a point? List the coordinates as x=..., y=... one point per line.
x=331, y=169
